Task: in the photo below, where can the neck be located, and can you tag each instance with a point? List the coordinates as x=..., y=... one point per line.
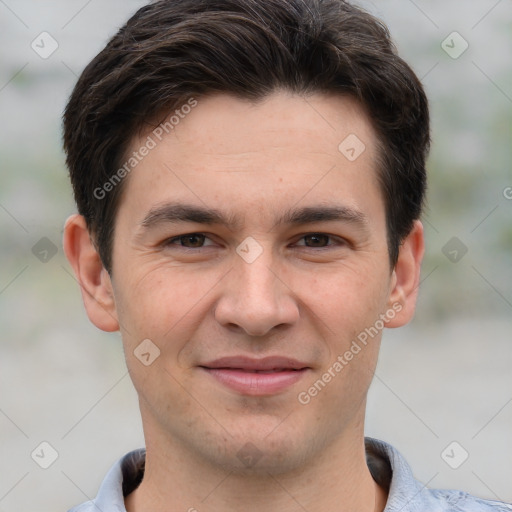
x=337, y=481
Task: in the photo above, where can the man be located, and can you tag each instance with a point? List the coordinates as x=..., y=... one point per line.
x=249, y=176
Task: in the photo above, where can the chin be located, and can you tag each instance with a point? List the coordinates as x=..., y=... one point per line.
x=261, y=459
x=264, y=449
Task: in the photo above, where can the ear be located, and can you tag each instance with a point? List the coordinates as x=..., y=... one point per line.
x=405, y=279
x=95, y=283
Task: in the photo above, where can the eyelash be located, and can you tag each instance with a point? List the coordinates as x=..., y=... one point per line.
x=171, y=241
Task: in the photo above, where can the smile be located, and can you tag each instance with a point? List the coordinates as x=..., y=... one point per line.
x=254, y=377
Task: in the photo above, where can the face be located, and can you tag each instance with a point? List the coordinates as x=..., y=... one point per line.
x=251, y=252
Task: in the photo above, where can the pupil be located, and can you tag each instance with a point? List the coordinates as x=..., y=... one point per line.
x=194, y=240
x=318, y=239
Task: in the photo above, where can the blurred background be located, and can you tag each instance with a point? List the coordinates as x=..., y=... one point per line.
x=442, y=393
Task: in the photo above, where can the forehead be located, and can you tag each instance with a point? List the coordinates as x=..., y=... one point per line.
x=279, y=150
x=222, y=123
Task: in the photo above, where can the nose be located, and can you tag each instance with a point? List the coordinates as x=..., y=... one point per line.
x=255, y=298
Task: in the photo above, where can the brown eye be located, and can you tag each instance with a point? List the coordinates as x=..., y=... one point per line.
x=194, y=240
x=316, y=240
x=188, y=241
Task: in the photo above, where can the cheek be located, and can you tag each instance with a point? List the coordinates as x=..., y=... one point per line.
x=159, y=303
x=338, y=391
x=348, y=299
x=162, y=305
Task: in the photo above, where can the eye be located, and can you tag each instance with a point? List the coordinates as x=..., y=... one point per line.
x=200, y=240
x=189, y=241
x=319, y=240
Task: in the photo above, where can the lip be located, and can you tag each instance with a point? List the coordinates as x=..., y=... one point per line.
x=256, y=377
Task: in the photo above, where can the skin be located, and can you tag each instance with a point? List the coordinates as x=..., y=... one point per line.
x=299, y=298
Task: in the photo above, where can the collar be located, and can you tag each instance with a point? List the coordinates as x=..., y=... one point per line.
x=387, y=466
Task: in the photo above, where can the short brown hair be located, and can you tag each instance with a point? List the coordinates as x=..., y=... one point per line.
x=172, y=50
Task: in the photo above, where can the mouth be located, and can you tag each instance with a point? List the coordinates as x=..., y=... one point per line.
x=256, y=377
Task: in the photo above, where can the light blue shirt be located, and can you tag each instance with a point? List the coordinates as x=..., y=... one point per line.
x=387, y=466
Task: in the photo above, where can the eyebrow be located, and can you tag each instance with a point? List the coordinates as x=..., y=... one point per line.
x=180, y=212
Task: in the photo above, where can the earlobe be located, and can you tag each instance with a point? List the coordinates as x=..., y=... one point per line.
x=95, y=283
x=406, y=277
